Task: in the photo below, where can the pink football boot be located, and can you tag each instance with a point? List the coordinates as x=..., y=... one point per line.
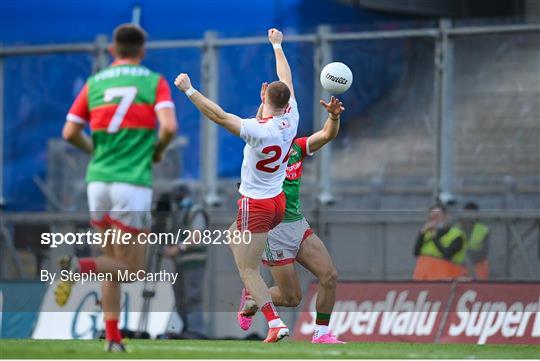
x=246, y=311
x=327, y=338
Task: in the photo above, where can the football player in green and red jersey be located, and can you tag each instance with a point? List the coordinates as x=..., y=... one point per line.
x=123, y=105
x=293, y=240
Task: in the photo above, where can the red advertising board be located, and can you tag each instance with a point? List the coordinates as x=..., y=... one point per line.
x=494, y=313
x=420, y=312
x=398, y=311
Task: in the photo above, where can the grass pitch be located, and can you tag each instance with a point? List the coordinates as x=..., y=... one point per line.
x=52, y=349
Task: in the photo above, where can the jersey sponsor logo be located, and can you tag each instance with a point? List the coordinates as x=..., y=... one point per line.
x=294, y=171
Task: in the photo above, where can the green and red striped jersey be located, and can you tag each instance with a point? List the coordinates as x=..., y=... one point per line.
x=120, y=104
x=291, y=184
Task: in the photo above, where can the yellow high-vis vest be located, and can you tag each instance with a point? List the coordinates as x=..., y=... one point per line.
x=477, y=237
x=430, y=249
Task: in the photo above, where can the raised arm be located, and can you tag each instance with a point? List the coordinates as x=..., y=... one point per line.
x=263, y=97
x=331, y=128
x=282, y=66
x=210, y=109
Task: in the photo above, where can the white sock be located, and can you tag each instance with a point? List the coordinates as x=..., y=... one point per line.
x=321, y=330
x=276, y=323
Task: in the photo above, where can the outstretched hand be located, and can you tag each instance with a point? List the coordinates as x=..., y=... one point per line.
x=275, y=36
x=263, y=92
x=183, y=82
x=334, y=106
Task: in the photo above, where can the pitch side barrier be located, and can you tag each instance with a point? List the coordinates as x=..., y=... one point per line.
x=431, y=312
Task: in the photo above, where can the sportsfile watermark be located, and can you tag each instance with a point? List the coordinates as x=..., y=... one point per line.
x=182, y=237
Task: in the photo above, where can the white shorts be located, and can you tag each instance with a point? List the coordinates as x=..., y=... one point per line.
x=126, y=206
x=284, y=242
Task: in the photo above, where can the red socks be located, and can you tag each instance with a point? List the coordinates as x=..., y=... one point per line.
x=87, y=265
x=269, y=311
x=112, y=333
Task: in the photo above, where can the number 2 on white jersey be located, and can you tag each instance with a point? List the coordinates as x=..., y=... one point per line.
x=264, y=165
x=128, y=94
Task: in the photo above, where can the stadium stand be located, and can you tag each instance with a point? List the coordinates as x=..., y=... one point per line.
x=496, y=123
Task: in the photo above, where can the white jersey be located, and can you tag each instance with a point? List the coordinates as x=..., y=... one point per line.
x=266, y=152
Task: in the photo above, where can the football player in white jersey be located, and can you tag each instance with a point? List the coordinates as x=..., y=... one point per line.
x=262, y=203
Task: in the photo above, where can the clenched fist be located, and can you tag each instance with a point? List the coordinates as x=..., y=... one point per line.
x=183, y=82
x=275, y=36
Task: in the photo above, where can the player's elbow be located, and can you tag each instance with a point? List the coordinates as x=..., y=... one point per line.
x=221, y=118
x=69, y=133
x=167, y=121
x=231, y=123
x=170, y=128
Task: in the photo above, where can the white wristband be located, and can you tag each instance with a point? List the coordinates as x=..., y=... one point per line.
x=190, y=91
x=276, y=46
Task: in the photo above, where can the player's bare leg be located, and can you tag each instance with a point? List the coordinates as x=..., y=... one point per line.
x=116, y=257
x=110, y=300
x=314, y=256
x=70, y=263
x=248, y=265
x=247, y=256
x=109, y=263
x=110, y=292
x=287, y=291
x=132, y=256
x=110, y=303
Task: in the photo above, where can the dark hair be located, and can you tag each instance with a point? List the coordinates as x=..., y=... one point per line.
x=440, y=206
x=278, y=94
x=471, y=206
x=128, y=40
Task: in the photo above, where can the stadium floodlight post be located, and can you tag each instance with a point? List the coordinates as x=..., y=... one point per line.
x=323, y=56
x=436, y=118
x=136, y=15
x=209, y=130
x=443, y=109
x=447, y=107
x=101, y=60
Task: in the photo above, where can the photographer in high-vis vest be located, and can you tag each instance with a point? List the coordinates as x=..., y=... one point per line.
x=477, y=243
x=440, y=248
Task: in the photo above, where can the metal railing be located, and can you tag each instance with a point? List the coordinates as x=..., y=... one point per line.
x=442, y=35
x=515, y=234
